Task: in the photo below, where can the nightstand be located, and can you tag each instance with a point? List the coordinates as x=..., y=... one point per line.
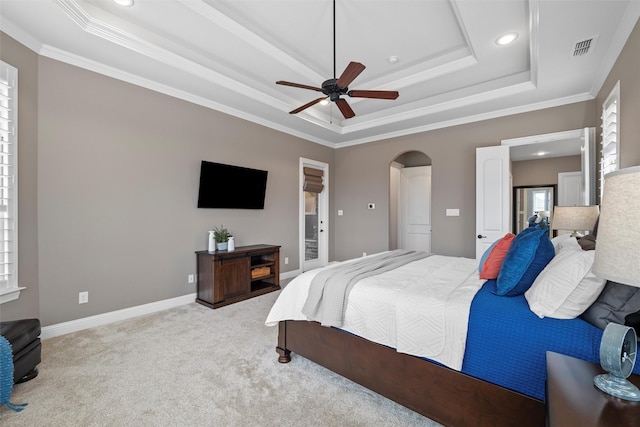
x=572, y=399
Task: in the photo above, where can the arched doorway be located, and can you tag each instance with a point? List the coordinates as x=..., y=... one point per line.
x=410, y=201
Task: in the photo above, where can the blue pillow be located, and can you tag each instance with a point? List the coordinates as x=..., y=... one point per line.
x=527, y=231
x=529, y=254
x=485, y=255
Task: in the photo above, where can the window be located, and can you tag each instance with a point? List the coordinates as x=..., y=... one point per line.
x=610, y=135
x=313, y=184
x=9, y=289
x=540, y=200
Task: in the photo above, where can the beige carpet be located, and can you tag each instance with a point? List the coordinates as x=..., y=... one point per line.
x=192, y=366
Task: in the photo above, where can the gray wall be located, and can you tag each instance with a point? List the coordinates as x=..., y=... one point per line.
x=108, y=175
x=453, y=153
x=627, y=71
x=108, y=189
x=118, y=178
x=543, y=171
x=362, y=172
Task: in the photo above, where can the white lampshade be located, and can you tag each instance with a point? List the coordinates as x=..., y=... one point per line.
x=543, y=214
x=574, y=217
x=617, y=256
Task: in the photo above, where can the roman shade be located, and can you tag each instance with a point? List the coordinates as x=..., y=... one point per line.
x=312, y=180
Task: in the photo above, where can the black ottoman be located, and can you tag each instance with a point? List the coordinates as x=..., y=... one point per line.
x=23, y=335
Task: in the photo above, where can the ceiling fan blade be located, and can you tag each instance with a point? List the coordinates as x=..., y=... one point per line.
x=307, y=105
x=378, y=94
x=345, y=108
x=282, y=82
x=349, y=74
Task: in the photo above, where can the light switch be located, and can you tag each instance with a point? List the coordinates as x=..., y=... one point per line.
x=340, y=212
x=453, y=212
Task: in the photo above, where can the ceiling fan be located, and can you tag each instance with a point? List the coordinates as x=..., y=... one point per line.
x=335, y=87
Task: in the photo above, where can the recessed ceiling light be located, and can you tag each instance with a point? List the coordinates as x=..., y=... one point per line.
x=393, y=59
x=541, y=153
x=506, y=39
x=124, y=2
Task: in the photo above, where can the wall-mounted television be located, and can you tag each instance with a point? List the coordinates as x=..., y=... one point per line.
x=231, y=187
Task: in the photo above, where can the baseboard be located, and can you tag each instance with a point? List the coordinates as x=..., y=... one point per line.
x=126, y=313
x=113, y=316
x=290, y=274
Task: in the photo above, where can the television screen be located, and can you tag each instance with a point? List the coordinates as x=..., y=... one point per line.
x=231, y=187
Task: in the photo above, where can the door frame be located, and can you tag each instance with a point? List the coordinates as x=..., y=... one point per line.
x=323, y=215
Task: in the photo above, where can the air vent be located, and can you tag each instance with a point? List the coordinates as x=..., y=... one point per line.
x=583, y=47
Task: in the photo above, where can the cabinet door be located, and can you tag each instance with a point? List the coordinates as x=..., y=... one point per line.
x=233, y=277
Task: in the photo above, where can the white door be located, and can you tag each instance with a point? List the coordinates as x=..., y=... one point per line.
x=493, y=200
x=314, y=223
x=415, y=208
x=570, y=192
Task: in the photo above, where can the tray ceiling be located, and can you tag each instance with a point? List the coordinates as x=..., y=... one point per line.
x=227, y=55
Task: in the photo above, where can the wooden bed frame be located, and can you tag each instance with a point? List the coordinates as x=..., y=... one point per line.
x=442, y=394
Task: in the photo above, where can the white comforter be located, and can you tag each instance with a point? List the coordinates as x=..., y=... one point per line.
x=421, y=308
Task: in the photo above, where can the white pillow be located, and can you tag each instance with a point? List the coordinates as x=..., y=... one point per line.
x=565, y=241
x=566, y=287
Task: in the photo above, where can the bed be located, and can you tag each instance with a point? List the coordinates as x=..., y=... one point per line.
x=499, y=376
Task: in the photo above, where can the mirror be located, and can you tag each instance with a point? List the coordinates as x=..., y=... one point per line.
x=533, y=205
x=578, y=142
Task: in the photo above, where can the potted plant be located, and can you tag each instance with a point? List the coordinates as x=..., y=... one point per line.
x=221, y=236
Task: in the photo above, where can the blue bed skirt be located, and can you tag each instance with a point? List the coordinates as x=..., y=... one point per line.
x=506, y=342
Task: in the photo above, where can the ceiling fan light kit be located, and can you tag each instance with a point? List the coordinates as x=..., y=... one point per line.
x=336, y=87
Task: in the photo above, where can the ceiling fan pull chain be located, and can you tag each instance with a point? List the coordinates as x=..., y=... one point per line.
x=337, y=86
x=334, y=39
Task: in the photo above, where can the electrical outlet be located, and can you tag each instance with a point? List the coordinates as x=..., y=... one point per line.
x=83, y=297
x=286, y=260
x=191, y=278
x=364, y=254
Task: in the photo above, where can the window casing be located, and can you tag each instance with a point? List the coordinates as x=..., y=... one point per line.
x=610, y=161
x=9, y=289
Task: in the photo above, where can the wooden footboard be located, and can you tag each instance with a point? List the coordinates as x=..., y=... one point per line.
x=439, y=393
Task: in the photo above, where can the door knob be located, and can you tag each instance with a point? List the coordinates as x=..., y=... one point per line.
x=480, y=236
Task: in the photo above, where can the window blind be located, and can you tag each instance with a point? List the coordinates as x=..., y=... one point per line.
x=610, y=125
x=313, y=180
x=8, y=184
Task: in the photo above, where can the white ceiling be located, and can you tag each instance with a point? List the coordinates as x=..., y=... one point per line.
x=227, y=55
x=557, y=144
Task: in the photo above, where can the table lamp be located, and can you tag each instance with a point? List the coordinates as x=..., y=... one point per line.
x=617, y=258
x=574, y=218
x=544, y=217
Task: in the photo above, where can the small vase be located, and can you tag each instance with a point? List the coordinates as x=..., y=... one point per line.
x=231, y=244
x=222, y=246
x=212, y=242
